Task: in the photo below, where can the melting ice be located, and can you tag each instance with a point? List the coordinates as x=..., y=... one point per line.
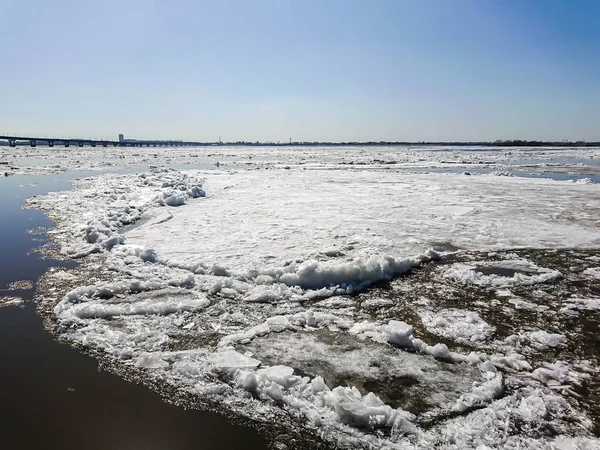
x=230, y=285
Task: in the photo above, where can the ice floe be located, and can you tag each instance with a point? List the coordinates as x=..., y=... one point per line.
x=233, y=286
x=10, y=301
x=501, y=274
x=575, y=305
x=462, y=326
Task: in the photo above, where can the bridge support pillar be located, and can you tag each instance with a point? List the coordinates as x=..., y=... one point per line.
x=12, y=143
x=50, y=143
x=80, y=143
x=33, y=143
x=104, y=144
x=93, y=144
x=67, y=143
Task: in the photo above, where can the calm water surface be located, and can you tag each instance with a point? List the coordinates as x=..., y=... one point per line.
x=54, y=397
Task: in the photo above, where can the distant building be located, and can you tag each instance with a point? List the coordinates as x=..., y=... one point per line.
x=121, y=138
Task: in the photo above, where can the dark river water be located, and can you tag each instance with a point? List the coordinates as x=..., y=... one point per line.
x=54, y=397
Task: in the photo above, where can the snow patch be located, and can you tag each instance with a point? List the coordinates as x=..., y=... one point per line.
x=592, y=272
x=575, y=305
x=459, y=325
x=501, y=275
x=542, y=339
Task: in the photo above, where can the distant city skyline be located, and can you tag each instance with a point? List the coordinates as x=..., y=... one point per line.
x=332, y=70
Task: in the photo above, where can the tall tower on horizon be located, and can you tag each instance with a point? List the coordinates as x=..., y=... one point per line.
x=121, y=138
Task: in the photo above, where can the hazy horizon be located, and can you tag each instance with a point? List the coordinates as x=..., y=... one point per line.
x=55, y=137
x=311, y=71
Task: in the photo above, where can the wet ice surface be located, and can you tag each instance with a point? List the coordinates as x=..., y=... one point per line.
x=309, y=298
x=402, y=379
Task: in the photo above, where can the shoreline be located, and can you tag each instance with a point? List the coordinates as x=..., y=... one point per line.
x=68, y=387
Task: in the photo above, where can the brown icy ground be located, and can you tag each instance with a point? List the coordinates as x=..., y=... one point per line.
x=51, y=288
x=555, y=306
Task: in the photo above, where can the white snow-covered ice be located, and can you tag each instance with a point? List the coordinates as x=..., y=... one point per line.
x=254, y=262
x=462, y=326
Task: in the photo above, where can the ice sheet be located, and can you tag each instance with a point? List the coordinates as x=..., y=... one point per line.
x=228, y=284
x=253, y=220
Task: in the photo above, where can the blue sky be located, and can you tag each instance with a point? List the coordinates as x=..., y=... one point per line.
x=305, y=69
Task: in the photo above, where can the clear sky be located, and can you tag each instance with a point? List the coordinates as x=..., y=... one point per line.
x=306, y=69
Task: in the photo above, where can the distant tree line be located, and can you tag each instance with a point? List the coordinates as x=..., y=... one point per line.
x=522, y=143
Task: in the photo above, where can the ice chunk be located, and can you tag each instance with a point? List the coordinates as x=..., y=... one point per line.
x=282, y=375
x=574, y=305
x=354, y=409
x=592, y=272
x=10, y=301
x=148, y=255
x=173, y=198
x=513, y=361
x=318, y=384
x=460, y=325
x=399, y=333
x=440, y=351
x=274, y=391
x=501, y=275
x=377, y=303
x=278, y=323
x=196, y=191
x=558, y=373
x=231, y=360
x=246, y=379
x=542, y=339
x=150, y=361
x=402, y=426
x=532, y=408
x=356, y=274
x=481, y=394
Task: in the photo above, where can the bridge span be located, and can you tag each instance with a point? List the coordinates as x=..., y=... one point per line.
x=13, y=141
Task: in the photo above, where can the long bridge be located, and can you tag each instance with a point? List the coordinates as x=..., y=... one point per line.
x=13, y=141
